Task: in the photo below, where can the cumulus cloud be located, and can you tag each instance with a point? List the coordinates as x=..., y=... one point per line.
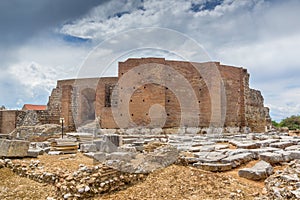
x=260, y=35
x=263, y=36
x=39, y=65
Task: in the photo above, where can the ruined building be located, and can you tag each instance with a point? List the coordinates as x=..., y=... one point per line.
x=154, y=92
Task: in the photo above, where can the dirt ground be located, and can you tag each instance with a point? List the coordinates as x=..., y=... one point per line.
x=181, y=182
x=173, y=182
x=14, y=187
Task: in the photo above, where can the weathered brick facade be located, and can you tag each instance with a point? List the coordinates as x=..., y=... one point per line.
x=8, y=119
x=83, y=100
x=167, y=94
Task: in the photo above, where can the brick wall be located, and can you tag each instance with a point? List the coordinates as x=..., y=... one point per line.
x=8, y=120
x=103, y=111
x=241, y=107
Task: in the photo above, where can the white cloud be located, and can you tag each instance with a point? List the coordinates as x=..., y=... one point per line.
x=37, y=67
x=261, y=35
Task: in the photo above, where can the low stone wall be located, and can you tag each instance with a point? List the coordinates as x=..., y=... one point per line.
x=36, y=133
x=160, y=131
x=84, y=183
x=13, y=148
x=284, y=184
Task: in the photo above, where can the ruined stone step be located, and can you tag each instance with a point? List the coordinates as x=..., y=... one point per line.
x=238, y=159
x=281, y=145
x=259, y=171
x=271, y=158
x=214, y=167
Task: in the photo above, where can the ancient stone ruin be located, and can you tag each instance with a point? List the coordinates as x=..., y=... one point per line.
x=214, y=95
x=145, y=120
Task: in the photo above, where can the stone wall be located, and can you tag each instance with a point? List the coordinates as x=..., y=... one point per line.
x=8, y=119
x=242, y=106
x=84, y=183
x=11, y=119
x=33, y=117
x=102, y=105
x=81, y=101
x=256, y=114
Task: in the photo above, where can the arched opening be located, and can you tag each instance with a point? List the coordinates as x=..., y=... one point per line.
x=88, y=97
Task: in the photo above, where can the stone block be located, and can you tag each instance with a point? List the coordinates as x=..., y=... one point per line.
x=138, y=143
x=170, y=131
x=156, y=131
x=100, y=156
x=267, y=142
x=127, y=148
x=232, y=152
x=271, y=158
x=126, y=156
x=139, y=148
x=249, y=145
x=238, y=159
x=128, y=141
x=132, y=131
x=256, y=152
x=13, y=148
x=145, y=131
x=195, y=149
x=214, y=167
x=221, y=146
x=193, y=130
x=114, y=139
x=209, y=157
x=33, y=153
x=208, y=148
x=47, y=149
x=290, y=178
x=108, y=131
x=294, y=154
x=55, y=152
x=293, y=148
x=234, y=142
x=105, y=146
x=88, y=148
x=281, y=145
x=259, y=171
x=286, y=155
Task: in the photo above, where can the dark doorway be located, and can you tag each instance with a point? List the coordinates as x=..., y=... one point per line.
x=88, y=97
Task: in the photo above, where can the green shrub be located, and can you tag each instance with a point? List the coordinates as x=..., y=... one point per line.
x=292, y=122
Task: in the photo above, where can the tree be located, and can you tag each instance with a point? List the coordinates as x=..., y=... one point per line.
x=292, y=122
x=275, y=124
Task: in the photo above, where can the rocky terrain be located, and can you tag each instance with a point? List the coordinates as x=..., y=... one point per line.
x=176, y=166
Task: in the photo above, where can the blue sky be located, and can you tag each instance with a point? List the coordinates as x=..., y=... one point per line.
x=43, y=41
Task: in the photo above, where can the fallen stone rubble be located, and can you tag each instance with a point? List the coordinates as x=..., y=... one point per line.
x=259, y=171
x=13, y=148
x=37, y=132
x=143, y=162
x=84, y=183
x=126, y=159
x=210, y=153
x=284, y=184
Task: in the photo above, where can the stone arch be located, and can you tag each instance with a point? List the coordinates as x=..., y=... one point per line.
x=88, y=97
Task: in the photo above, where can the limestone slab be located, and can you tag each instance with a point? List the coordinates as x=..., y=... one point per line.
x=13, y=148
x=249, y=145
x=259, y=171
x=272, y=158
x=281, y=145
x=238, y=159
x=105, y=146
x=88, y=148
x=214, y=167
x=99, y=156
